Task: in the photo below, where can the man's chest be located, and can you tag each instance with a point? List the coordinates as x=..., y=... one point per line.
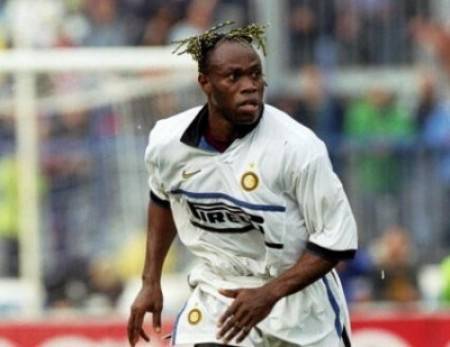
x=226, y=193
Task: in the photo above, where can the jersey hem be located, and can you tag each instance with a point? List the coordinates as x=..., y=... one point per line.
x=330, y=253
x=158, y=201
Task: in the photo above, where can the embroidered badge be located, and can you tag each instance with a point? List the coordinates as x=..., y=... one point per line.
x=194, y=316
x=249, y=181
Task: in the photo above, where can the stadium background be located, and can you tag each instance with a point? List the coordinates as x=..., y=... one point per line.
x=83, y=81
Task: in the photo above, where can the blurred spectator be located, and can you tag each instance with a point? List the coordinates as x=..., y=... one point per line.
x=75, y=27
x=135, y=14
x=377, y=120
x=356, y=276
x=106, y=26
x=8, y=200
x=311, y=25
x=159, y=26
x=199, y=18
x=236, y=10
x=303, y=30
x=445, y=270
x=80, y=283
x=427, y=100
x=81, y=203
x=104, y=281
x=348, y=27
x=434, y=37
x=383, y=31
x=6, y=131
x=66, y=285
x=9, y=223
x=319, y=109
x=290, y=105
x=42, y=19
x=316, y=108
x=377, y=127
x=395, y=278
x=129, y=258
x=3, y=26
x=436, y=134
x=67, y=163
x=436, y=128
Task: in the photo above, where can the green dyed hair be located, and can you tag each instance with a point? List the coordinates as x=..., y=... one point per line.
x=199, y=46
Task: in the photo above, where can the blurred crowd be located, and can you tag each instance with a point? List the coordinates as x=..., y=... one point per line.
x=325, y=31
x=120, y=22
x=393, y=155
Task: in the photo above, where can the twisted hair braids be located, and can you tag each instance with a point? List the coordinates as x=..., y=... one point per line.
x=199, y=46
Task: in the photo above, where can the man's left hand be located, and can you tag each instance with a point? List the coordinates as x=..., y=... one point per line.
x=250, y=306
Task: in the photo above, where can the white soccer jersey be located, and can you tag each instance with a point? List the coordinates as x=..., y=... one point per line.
x=248, y=213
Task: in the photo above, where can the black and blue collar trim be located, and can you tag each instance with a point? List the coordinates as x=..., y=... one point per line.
x=194, y=132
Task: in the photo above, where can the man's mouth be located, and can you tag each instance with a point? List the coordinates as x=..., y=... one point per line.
x=249, y=106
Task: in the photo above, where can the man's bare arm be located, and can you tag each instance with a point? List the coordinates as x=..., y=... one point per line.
x=161, y=232
x=253, y=305
x=308, y=269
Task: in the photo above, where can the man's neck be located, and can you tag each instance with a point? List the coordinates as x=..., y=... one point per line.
x=219, y=128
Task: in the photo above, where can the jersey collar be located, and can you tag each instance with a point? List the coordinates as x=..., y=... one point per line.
x=194, y=132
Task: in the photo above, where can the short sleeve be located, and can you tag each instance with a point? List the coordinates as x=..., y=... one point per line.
x=326, y=210
x=157, y=191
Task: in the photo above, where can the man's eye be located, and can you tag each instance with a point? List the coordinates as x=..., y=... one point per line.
x=233, y=77
x=256, y=74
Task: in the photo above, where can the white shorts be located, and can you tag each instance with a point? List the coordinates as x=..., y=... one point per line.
x=198, y=319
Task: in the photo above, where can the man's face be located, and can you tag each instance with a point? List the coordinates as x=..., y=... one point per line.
x=234, y=82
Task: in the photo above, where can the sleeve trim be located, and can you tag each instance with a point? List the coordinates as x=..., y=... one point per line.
x=157, y=200
x=329, y=253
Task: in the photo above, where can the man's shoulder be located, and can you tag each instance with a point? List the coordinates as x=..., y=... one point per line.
x=284, y=127
x=178, y=121
x=172, y=128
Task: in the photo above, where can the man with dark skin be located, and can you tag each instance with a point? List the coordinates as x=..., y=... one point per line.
x=233, y=83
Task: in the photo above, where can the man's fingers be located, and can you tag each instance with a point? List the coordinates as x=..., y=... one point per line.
x=132, y=336
x=230, y=293
x=233, y=332
x=138, y=318
x=130, y=328
x=244, y=332
x=241, y=314
x=225, y=328
x=144, y=335
x=229, y=312
x=157, y=321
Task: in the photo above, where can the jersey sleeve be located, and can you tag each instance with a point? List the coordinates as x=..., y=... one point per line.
x=326, y=210
x=158, y=194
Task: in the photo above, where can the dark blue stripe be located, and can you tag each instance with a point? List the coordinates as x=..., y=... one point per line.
x=174, y=332
x=272, y=208
x=335, y=306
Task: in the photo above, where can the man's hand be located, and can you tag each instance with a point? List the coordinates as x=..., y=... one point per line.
x=250, y=306
x=149, y=299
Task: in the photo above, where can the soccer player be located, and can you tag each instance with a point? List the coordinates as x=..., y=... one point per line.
x=253, y=195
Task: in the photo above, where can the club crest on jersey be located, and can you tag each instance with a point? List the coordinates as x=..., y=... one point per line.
x=249, y=181
x=194, y=316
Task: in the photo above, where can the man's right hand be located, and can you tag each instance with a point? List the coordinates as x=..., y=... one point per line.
x=149, y=299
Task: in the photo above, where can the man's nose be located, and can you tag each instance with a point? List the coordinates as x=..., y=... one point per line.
x=248, y=85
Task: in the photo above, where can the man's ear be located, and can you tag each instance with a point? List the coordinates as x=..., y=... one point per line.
x=203, y=80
